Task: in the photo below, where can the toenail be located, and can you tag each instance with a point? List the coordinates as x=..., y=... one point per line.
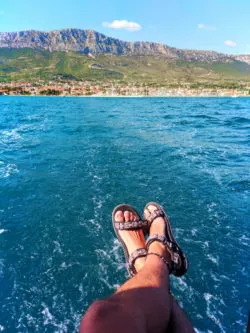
x=119, y=214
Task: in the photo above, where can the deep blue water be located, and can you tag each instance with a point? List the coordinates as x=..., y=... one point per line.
x=66, y=162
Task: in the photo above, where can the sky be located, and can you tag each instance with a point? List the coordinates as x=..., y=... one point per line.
x=220, y=25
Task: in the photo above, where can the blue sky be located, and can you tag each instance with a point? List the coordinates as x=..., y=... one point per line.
x=221, y=25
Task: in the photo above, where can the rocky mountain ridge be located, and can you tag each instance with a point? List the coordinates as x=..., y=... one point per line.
x=95, y=43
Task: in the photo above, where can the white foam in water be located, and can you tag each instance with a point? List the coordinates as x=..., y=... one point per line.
x=57, y=247
x=94, y=224
x=47, y=315
x=194, y=231
x=213, y=276
x=244, y=240
x=211, y=206
x=49, y=319
x=1, y=328
x=115, y=286
x=12, y=134
x=183, y=283
x=2, y=231
x=104, y=277
x=111, y=256
x=198, y=331
x=7, y=170
x=115, y=249
x=206, y=244
x=214, y=173
x=209, y=298
x=213, y=259
x=32, y=321
x=115, y=252
x=178, y=232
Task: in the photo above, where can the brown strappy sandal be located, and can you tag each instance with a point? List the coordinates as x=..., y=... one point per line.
x=131, y=225
x=179, y=264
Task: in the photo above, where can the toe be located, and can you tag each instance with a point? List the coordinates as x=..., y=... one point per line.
x=146, y=213
x=127, y=216
x=119, y=217
x=149, y=210
x=132, y=217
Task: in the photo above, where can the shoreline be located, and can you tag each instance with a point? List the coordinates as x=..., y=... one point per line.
x=129, y=96
x=112, y=90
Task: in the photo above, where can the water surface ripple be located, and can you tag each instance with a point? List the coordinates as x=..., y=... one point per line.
x=66, y=162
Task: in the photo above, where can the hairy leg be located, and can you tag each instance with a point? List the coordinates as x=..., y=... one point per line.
x=143, y=303
x=178, y=321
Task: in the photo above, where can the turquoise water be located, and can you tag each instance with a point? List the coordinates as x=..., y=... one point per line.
x=66, y=162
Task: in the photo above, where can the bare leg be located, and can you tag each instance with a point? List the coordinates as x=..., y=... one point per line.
x=143, y=303
x=179, y=322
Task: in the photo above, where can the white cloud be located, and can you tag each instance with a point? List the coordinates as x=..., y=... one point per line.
x=123, y=24
x=206, y=27
x=230, y=43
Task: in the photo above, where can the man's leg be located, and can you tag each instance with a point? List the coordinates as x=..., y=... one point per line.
x=143, y=303
x=179, y=322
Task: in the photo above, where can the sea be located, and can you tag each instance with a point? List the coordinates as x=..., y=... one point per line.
x=66, y=162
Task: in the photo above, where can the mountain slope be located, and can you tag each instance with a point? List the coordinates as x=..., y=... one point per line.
x=89, y=41
x=30, y=65
x=74, y=54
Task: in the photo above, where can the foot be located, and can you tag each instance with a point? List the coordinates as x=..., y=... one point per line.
x=134, y=239
x=157, y=228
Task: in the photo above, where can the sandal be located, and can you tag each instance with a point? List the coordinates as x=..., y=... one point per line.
x=179, y=264
x=130, y=225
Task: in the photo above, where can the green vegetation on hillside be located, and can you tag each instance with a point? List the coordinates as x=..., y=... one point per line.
x=32, y=65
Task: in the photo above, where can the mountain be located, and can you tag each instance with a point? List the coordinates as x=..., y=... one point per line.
x=86, y=55
x=92, y=42
x=243, y=57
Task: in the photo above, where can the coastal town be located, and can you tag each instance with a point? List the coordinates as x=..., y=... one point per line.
x=116, y=88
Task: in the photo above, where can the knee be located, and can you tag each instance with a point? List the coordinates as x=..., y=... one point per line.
x=97, y=314
x=100, y=308
x=111, y=315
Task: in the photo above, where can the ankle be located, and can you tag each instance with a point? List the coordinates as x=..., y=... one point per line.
x=160, y=249
x=157, y=247
x=139, y=264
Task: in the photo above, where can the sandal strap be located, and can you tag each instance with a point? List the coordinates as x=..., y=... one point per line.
x=156, y=213
x=131, y=225
x=163, y=259
x=171, y=246
x=141, y=252
x=161, y=239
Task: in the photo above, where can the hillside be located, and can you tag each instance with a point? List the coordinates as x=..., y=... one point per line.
x=87, y=55
x=31, y=65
